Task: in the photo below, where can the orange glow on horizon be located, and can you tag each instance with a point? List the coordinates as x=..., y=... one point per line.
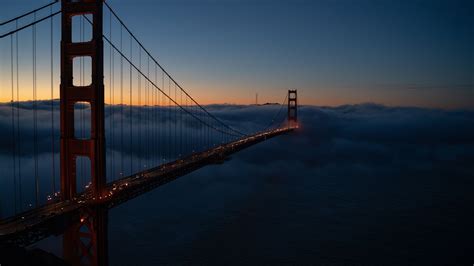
x=317, y=97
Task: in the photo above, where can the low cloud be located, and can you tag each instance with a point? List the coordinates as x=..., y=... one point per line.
x=351, y=139
x=357, y=183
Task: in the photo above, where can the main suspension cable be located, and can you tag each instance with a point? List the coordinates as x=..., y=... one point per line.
x=29, y=25
x=28, y=13
x=169, y=76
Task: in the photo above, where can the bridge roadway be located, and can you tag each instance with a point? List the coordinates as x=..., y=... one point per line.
x=52, y=219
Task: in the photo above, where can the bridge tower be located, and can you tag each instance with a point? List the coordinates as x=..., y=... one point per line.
x=72, y=146
x=85, y=242
x=292, y=108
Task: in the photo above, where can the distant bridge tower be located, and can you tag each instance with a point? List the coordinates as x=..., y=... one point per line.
x=292, y=108
x=72, y=146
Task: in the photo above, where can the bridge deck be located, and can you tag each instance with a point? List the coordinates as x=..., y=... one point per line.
x=31, y=226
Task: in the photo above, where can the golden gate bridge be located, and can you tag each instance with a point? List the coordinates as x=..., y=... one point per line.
x=125, y=125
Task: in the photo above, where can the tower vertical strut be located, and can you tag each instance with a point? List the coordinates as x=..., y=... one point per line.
x=71, y=146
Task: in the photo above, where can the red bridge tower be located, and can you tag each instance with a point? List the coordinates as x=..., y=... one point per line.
x=292, y=108
x=71, y=145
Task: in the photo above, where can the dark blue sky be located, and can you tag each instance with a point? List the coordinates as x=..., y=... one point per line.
x=417, y=53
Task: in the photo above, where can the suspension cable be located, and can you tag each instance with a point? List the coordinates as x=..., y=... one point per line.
x=169, y=76
x=28, y=13
x=276, y=115
x=138, y=69
x=28, y=25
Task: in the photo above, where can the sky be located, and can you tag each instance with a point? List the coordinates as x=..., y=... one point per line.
x=396, y=53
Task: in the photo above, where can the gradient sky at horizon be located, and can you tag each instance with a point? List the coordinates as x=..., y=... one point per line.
x=406, y=53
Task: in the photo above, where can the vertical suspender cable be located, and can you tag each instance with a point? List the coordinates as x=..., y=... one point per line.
x=110, y=100
x=147, y=94
x=185, y=128
x=20, y=187
x=200, y=131
x=208, y=134
x=158, y=127
x=175, y=122
x=163, y=115
x=156, y=120
x=205, y=128
x=191, y=127
x=204, y=131
x=196, y=124
x=169, y=120
x=14, y=140
x=131, y=109
x=121, y=107
x=35, y=118
x=208, y=131
x=152, y=125
x=139, y=126
x=181, y=126
x=112, y=105
x=194, y=131
x=53, y=177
